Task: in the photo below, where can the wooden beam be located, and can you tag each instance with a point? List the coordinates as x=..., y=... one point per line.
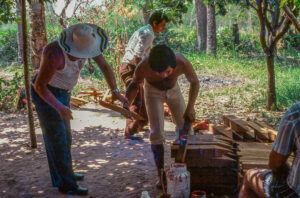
x=260, y=132
x=271, y=132
x=240, y=126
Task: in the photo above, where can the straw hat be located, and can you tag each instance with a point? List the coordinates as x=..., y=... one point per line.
x=83, y=40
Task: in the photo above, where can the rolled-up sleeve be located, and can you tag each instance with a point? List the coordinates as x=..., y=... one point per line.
x=284, y=141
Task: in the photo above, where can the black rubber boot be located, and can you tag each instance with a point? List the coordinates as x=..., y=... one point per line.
x=158, y=153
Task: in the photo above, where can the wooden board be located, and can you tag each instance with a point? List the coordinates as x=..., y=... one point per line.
x=121, y=110
x=201, y=151
x=202, y=139
x=240, y=126
x=271, y=132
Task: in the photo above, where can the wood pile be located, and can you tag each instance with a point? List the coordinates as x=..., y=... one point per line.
x=212, y=162
x=218, y=162
x=240, y=129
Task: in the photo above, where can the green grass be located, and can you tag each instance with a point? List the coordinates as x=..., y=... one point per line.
x=253, y=73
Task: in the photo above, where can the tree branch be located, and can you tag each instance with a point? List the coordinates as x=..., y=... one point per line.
x=262, y=34
x=251, y=5
x=285, y=28
x=291, y=17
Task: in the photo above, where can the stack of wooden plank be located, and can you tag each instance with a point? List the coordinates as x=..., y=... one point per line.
x=238, y=129
x=212, y=162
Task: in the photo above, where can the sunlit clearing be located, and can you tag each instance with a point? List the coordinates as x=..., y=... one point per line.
x=123, y=163
x=33, y=187
x=95, y=166
x=129, y=188
x=40, y=191
x=101, y=161
x=4, y=141
x=86, y=143
x=110, y=174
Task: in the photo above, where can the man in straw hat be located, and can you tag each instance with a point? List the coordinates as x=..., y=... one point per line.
x=159, y=72
x=139, y=46
x=61, y=63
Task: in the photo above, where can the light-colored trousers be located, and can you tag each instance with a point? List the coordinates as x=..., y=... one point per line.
x=155, y=99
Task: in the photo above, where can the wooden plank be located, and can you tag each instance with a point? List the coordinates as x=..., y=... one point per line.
x=260, y=132
x=201, y=139
x=249, y=164
x=217, y=162
x=254, y=146
x=272, y=132
x=121, y=110
x=240, y=126
x=222, y=130
x=200, y=151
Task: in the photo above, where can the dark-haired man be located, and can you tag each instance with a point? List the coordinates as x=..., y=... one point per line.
x=159, y=72
x=139, y=46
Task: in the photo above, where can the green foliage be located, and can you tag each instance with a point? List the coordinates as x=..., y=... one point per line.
x=8, y=90
x=8, y=46
x=249, y=43
x=7, y=13
x=8, y=10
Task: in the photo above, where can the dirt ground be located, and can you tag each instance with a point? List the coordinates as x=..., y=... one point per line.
x=113, y=166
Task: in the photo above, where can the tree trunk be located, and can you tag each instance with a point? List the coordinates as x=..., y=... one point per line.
x=235, y=32
x=20, y=33
x=146, y=13
x=271, y=83
x=250, y=24
x=211, y=28
x=201, y=25
x=26, y=78
x=38, y=33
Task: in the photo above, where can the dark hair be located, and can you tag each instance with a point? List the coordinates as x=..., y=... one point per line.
x=161, y=57
x=158, y=16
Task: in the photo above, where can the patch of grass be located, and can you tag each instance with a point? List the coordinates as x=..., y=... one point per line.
x=253, y=73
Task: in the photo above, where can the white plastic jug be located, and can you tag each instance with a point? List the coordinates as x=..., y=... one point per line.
x=145, y=194
x=178, y=181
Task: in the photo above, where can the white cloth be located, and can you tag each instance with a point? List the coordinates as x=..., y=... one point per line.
x=67, y=77
x=139, y=44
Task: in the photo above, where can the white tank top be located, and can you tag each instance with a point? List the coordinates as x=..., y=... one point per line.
x=67, y=77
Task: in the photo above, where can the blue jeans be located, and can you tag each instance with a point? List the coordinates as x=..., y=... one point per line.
x=57, y=138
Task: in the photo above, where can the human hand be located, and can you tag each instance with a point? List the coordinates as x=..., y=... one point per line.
x=189, y=114
x=65, y=113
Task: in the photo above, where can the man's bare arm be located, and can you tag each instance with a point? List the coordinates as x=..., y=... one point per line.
x=52, y=60
x=277, y=161
x=106, y=70
x=191, y=76
x=109, y=76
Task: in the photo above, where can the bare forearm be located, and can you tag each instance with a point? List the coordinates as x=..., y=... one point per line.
x=194, y=90
x=109, y=77
x=48, y=96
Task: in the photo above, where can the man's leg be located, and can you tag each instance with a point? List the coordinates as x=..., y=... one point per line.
x=154, y=103
x=57, y=138
x=126, y=73
x=177, y=106
x=253, y=184
x=142, y=110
